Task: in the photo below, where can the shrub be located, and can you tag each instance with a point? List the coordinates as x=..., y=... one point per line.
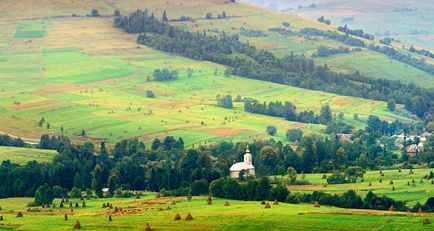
x=271, y=130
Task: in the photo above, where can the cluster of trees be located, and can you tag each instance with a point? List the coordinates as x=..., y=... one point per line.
x=282, y=31
x=405, y=58
x=252, y=33
x=323, y=20
x=209, y=15
x=355, y=32
x=164, y=75
x=287, y=110
x=259, y=64
x=6, y=140
x=225, y=101
x=324, y=51
x=345, y=38
x=377, y=127
x=386, y=40
x=421, y=52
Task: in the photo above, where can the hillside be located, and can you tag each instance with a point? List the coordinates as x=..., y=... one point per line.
x=382, y=18
x=83, y=66
x=84, y=75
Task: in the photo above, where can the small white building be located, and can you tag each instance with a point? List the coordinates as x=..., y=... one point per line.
x=246, y=166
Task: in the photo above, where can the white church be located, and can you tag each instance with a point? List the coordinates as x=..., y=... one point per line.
x=245, y=166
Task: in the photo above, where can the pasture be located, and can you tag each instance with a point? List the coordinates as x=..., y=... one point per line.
x=24, y=155
x=160, y=214
x=420, y=191
x=81, y=73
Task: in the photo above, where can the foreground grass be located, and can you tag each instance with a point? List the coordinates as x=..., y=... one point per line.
x=160, y=213
x=419, y=192
x=24, y=155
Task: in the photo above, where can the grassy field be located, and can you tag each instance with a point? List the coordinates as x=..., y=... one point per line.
x=24, y=155
x=83, y=74
x=239, y=215
x=419, y=192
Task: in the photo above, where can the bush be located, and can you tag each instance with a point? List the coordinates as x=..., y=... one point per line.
x=294, y=134
x=75, y=193
x=150, y=94
x=94, y=13
x=271, y=130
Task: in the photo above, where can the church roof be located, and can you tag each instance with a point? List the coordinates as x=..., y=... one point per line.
x=241, y=166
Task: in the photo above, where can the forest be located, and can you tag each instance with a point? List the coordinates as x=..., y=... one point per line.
x=293, y=70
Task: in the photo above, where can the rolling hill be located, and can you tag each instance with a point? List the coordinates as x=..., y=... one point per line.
x=83, y=75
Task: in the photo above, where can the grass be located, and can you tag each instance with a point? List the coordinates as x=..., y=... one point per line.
x=24, y=155
x=239, y=215
x=86, y=75
x=410, y=194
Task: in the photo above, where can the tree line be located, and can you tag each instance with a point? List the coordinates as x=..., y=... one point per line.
x=355, y=32
x=6, y=140
x=324, y=51
x=287, y=110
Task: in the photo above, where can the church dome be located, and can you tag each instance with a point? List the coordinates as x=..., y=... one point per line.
x=241, y=166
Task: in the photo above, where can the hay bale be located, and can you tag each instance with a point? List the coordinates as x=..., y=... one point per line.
x=324, y=177
x=177, y=217
x=316, y=204
x=147, y=227
x=158, y=195
x=20, y=214
x=66, y=217
x=110, y=218
x=370, y=184
x=420, y=210
x=381, y=181
x=227, y=203
x=275, y=202
x=426, y=221
x=391, y=208
x=173, y=202
x=263, y=203
x=77, y=225
x=188, y=217
x=1, y=218
x=411, y=171
x=267, y=206
x=391, y=182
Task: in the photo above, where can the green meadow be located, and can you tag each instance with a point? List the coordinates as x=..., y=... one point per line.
x=24, y=155
x=102, y=91
x=420, y=191
x=160, y=213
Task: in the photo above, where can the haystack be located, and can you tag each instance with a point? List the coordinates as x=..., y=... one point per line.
x=426, y=221
x=370, y=184
x=209, y=201
x=263, y=203
x=177, y=217
x=391, y=182
x=104, y=205
x=227, y=203
x=393, y=188
x=66, y=217
x=188, y=217
x=275, y=202
x=77, y=225
x=411, y=171
x=19, y=214
x=267, y=206
x=158, y=195
x=76, y=205
x=391, y=208
x=1, y=218
x=324, y=177
x=173, y=202
x=110, y=218
x=316, y=204
x=420, y=210
x=147, y=227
